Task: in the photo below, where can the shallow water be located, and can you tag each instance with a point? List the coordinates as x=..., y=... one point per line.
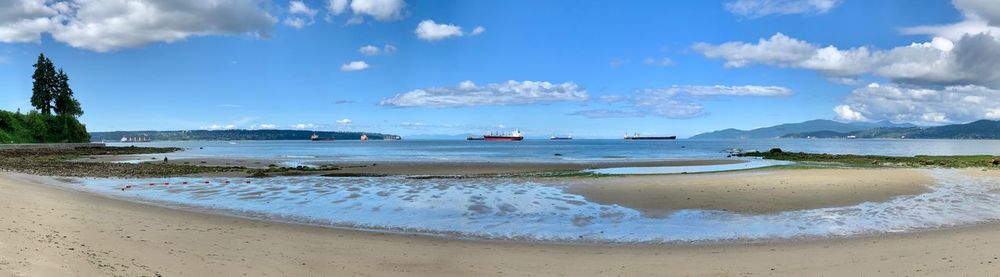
x=640, y=170
x=519, y=209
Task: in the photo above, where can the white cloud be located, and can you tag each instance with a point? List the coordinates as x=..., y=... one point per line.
x=952, y=77
x=658, y=62
x=760, y=8
x=468, y=93
x=264, y=126
x=382, y=10
x=304, y=126
x=369, y=50
x=972, y=59
x=676, y=101
x=389, y=49
x=354, y=66
x=720, y=90
x=219, y=127
x=299, y=7
x=845, y=112
x=430, y=31
x=106, y=25
x=336, y=7
x=295, y=22
x=345, y=121
x=896, y=103
x=980, y=16
x=300, y=15
x=478, y=30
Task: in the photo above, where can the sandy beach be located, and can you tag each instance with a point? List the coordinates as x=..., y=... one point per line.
x=53, y=231
x=757, y=191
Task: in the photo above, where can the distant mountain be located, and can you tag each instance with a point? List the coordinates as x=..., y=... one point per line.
x=982, y=129
x=797, y=128
x=232, y=135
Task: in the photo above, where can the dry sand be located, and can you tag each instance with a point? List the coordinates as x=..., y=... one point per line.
x=757, y=191
x=51, y=231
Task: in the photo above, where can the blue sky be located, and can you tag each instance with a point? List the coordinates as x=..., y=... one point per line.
x=582, y=68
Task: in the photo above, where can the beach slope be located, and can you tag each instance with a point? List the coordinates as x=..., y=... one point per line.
x=53, y=231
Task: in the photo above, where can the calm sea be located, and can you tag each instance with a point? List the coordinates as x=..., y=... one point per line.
x=553, y=151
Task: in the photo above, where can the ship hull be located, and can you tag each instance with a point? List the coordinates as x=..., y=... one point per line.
x=651, y=138
x=502, y=138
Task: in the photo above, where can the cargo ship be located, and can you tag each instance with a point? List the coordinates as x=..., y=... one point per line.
x=513, y=136
x=636, y=136
x=316, y=137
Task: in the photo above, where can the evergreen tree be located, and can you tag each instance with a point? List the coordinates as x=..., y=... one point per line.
x=65, y=103
x=43, y=85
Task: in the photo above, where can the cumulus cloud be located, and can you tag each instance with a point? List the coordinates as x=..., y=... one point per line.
x=897, y=103
x=304, y=126
x=354, y=66
x=369, y=50
x=760, y=8
x=468, y=93
x=676, y=101
x=973, y=59
x=336, y=7
x=106, y=25
x=264, y=126
x=300, y=15
x=382, y=10
x=980, y=16
x=345, y=121
x=430, y=31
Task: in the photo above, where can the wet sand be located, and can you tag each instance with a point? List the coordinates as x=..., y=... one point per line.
x=423, y=167
x=51, y=231
x=755, y=192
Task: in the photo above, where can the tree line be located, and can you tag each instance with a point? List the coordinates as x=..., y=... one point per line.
x=54, y=118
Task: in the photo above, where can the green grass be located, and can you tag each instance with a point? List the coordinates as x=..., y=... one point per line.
x=880, y=161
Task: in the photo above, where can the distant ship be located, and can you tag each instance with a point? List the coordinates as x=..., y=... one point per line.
x=364, y=137
x=136, y=139
x=391, y=137
x=637, y=137
x=316, y=137
x=513, y=136
x=560, y=138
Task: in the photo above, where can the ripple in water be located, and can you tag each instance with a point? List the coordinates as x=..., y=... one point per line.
x=518, y=209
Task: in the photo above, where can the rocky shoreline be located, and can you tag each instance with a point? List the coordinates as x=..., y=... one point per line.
x=59, y=162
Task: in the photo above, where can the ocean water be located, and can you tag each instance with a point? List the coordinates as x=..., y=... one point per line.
x=492, y=208
x=308, y=152
x=503, y=208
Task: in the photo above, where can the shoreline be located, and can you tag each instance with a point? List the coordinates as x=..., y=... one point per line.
x=735, y=200
x=138, y=239
x=429, y=167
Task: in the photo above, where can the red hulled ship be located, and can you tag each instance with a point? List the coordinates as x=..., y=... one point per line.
x=513, y=136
